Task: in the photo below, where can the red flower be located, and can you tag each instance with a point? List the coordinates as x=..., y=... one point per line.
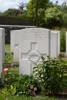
x=5, y=69
x=32, y=90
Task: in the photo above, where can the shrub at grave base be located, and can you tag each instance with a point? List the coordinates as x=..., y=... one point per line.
x=24, y=83
x=8, y=60
x=19, y=85
x=47, y=78
x=50, y=75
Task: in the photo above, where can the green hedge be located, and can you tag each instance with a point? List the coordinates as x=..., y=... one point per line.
x=19, y=20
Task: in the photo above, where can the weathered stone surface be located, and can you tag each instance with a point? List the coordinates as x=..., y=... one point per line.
x=15, y=38
x=31, y=43
x=54, y=43
x=35, y=43
x=2, y=48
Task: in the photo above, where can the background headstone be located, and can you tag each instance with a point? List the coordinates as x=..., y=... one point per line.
x=2, y=48
x=15, y=38
x=54, y=43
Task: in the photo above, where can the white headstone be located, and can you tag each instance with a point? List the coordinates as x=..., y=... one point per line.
x=31, y=43
x=12, y=38
x=2, y=48
x=54, y=43
x=15, y=44
x=34, y=42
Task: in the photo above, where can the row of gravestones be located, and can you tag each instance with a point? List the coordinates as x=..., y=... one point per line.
x=28, y=45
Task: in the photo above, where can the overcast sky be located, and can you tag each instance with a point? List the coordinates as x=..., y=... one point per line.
x=5, y=4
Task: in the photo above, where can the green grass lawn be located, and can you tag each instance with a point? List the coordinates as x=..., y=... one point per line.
x=8, y=56
x=7, y=48
x=2, y=97
x=22, y=98
x=14, y=70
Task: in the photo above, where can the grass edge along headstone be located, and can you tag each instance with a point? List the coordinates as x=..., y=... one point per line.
x=66, y=43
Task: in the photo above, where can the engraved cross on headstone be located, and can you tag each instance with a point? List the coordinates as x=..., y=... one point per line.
x=33, y=54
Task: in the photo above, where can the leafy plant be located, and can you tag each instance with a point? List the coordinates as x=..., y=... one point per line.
x=63, y=40
x=23, y=84
x=52, y=17
x=10, y=90
x=8, y=58
x=50, y=75
x=16, y=84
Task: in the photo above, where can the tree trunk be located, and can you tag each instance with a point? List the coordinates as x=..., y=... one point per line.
x=36, y=13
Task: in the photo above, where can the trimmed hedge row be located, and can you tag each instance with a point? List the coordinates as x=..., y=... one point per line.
x=5, y=20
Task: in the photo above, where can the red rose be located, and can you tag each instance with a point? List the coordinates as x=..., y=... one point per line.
x=5, y=69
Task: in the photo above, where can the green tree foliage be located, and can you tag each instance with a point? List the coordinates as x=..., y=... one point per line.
x=50, y=74
x=64, y=10
x=65, y=20
x=41, y=4
x=43, y=12
x=48, y=14
x=11, y=12
x=53, y=17
x=64, y=7
x=63, y=40
x=34, y=7
x=30, y=8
